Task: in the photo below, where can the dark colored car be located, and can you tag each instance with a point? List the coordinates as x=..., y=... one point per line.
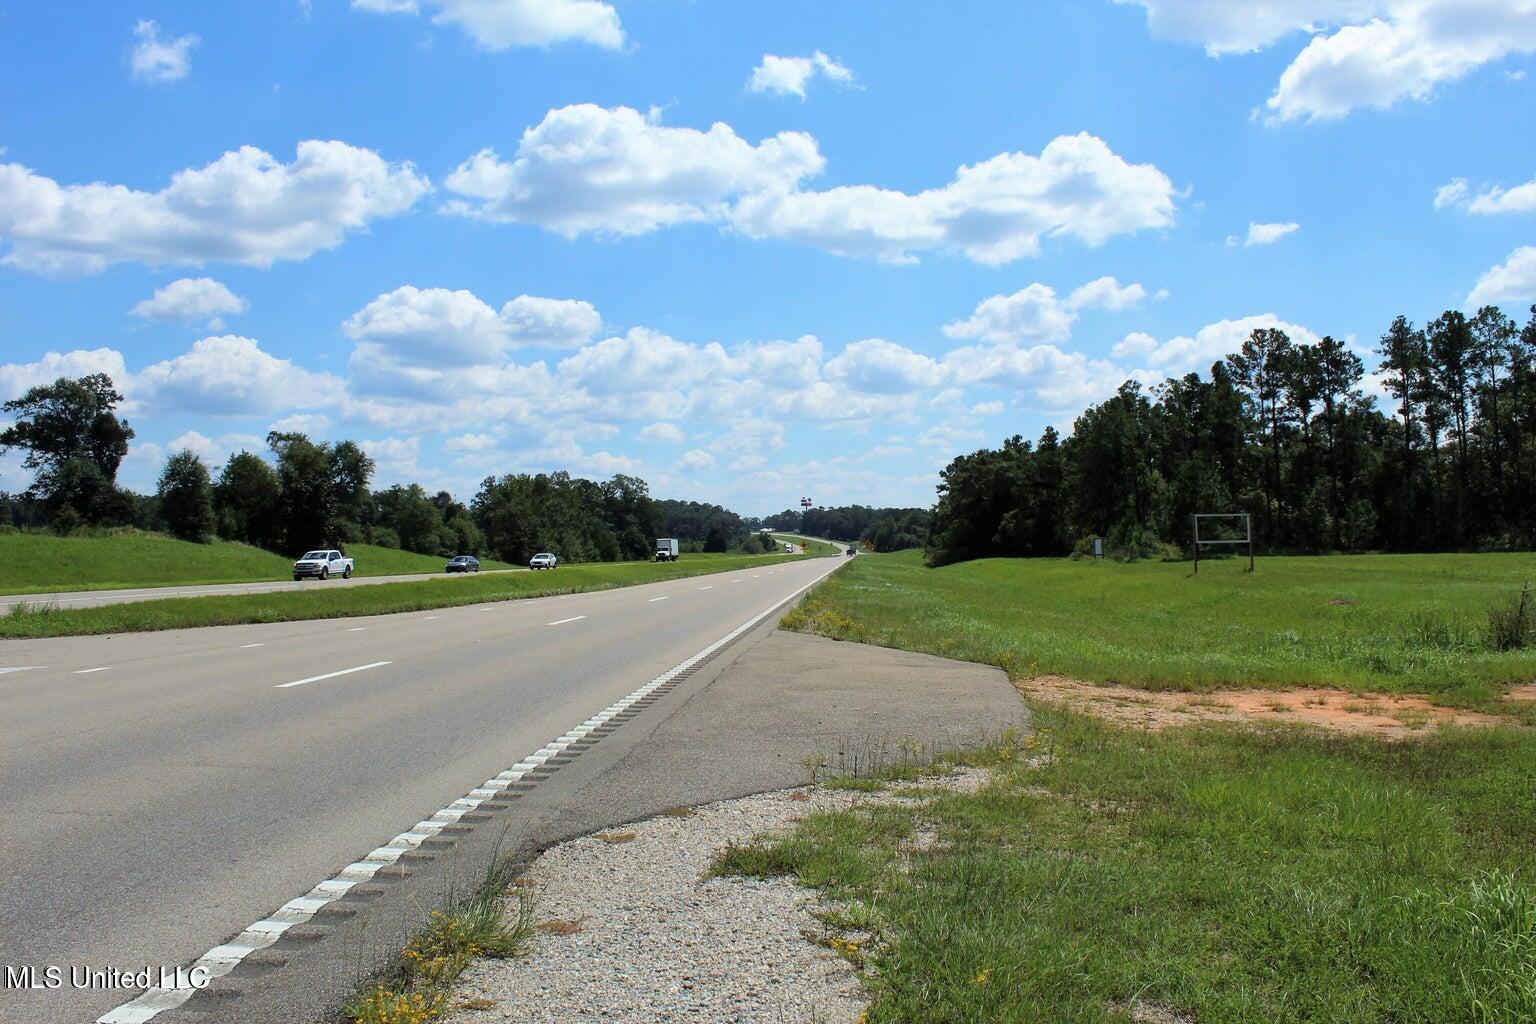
x=853, y=551
x=463, y=563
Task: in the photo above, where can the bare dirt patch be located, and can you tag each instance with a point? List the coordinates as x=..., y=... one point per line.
x=1376, y=714
x=1525, y=692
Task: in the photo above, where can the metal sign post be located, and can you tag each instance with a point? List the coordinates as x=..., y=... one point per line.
x=1247, y=519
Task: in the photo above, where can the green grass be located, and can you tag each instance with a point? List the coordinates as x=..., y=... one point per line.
x=33, y=563
x=322, y=602
x=37, y=563
x=1413, y=624
x=1226, y=876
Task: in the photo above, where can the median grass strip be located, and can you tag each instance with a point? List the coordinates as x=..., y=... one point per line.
x=1209, y=874
x=322, y=602
x=1401, y=624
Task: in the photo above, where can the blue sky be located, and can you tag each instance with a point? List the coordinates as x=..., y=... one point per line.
x=749, y=252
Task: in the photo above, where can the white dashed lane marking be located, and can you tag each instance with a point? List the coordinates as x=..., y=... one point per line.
x=561, y=622
x=655, y=599
x=707, y=588
x=247, y=646
x=85, y=671
x=431, y=616
x=357, y=629
x=332, y=675
x=20, y=668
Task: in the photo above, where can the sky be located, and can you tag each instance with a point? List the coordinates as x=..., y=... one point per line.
x=750, y=252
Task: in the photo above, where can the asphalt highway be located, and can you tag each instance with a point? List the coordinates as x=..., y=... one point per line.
x=165, y=790
x=91, y=598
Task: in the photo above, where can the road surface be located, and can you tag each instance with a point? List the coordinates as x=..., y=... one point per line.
x=166, y=790
x=92, y=598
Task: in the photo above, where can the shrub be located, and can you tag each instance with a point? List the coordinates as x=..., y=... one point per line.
x=1512, y=627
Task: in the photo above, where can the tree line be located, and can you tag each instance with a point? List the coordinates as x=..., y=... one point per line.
x=1284, y=432
x=308, y=493
x=843, y=522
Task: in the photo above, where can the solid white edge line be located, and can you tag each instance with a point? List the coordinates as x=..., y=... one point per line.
x=561, y=622
x=332, y=675
x=222, y=959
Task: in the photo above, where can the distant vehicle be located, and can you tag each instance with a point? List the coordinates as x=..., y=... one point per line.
x=463, y=563
x=543, y=560
x=666, y=549
x=789, y=547
x=852, y=551
x=323, y=564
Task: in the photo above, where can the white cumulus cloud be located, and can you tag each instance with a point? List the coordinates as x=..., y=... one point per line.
x=245, y=207
x=215, y=451
x=789, y=75
x=589, y=169
x=1494, y=199
x=16, y=378
x=503, y=24
x=1362, y=53
x=1269, y=234
x=1037, y=313
x=1514, y=280
x=695, y=460
x=1182, y=354
x=430, y=327
x=227, y=375
x=412, y=340
x=994, y=211
x=1048, y=376
x=644, y=360
x=189, y=299
x=668, y=432
x=881, y=367
x=157, y=59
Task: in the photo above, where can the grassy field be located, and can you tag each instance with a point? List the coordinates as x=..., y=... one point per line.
x=1390, y=623
x=1209, y=874
x=1213, y=873
x=320, y=602
x=35, y=563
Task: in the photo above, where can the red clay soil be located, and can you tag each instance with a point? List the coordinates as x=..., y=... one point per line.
x=1340, y=711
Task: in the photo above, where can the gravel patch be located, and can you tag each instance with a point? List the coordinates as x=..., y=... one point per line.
x=633, y=932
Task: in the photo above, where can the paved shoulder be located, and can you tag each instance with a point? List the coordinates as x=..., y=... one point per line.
x=787, y=698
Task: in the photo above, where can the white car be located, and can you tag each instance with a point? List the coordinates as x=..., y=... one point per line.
x=323, y=564
x=542, y=560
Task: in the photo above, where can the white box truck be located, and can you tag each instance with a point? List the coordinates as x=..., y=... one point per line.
x=666, y=549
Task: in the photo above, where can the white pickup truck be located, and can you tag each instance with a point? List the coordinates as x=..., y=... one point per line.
x=324, y=564
x=666, y=549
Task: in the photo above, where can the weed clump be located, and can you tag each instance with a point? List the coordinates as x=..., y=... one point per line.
x=419, y=987
x=1512, y=627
